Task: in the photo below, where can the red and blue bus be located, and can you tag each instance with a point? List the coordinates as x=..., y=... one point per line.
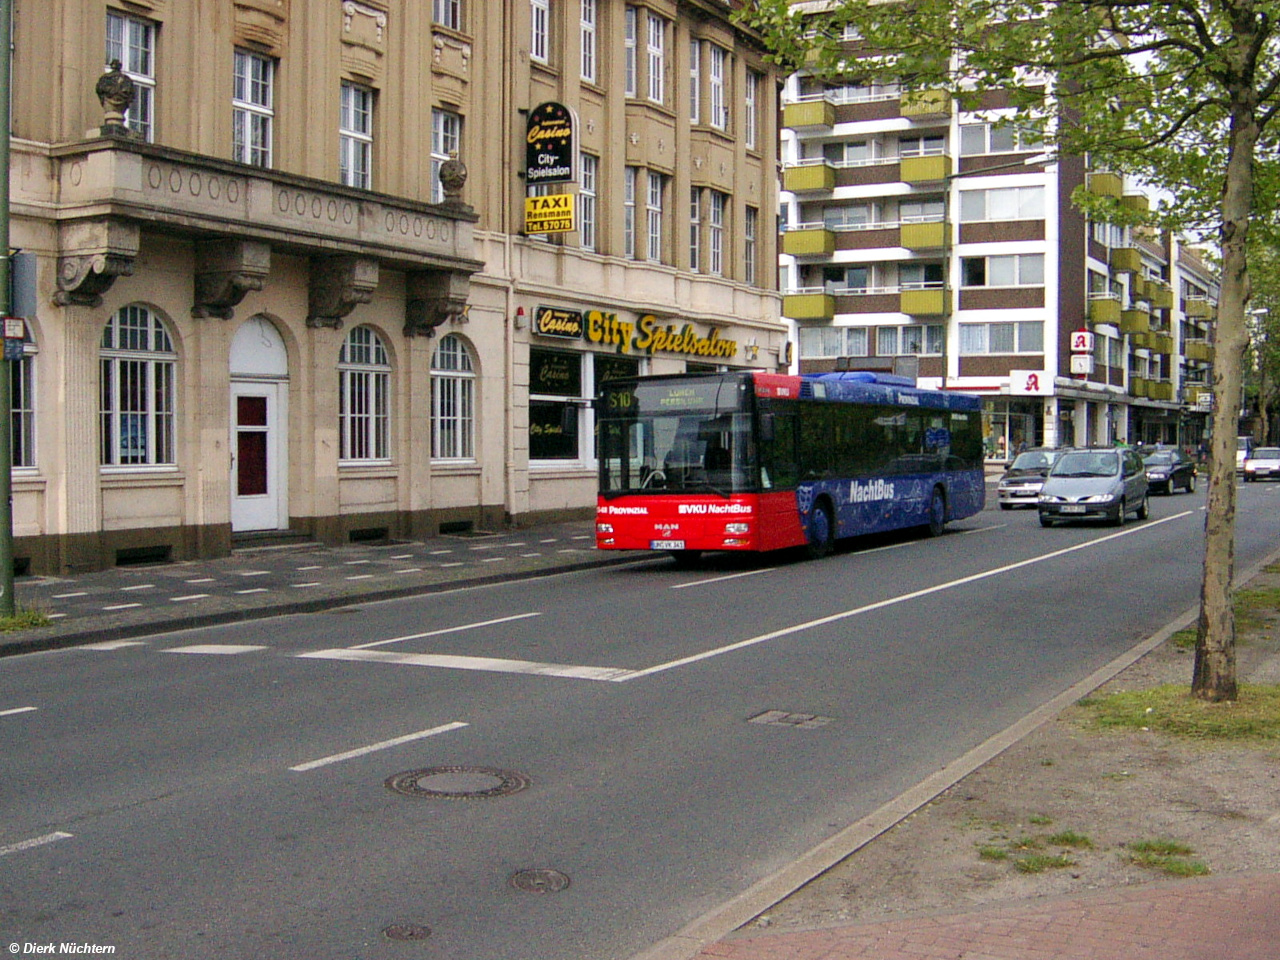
x=756, y=461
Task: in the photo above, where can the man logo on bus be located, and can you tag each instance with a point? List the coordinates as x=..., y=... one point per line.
x=870, y=491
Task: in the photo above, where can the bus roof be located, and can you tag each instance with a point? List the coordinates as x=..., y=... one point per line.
x=863, y=387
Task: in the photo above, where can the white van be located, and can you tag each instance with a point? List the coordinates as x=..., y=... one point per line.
x=1244, y=447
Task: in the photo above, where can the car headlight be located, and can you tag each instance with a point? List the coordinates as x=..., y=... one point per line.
x=1100, y=498
x=1157, y=474
x=1049, y=498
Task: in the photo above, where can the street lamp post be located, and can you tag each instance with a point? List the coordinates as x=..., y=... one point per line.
x=7, y=608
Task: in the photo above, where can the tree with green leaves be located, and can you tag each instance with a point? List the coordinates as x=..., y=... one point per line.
x=1262, y=361
x=1180, y=94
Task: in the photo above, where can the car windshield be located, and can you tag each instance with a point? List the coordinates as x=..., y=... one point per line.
x=1104, y=463
x=1266, y=453
x=1032, y=460
x=1160, y=457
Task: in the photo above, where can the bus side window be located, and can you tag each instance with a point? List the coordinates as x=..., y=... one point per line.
x=815, y=442
x=778, y=450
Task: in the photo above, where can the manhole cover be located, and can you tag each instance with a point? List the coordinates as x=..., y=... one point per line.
x=457, y=783
x=539, y=881
x=406, y=931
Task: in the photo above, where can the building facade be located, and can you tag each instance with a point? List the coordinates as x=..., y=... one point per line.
x=284, y=276
x=941, y=243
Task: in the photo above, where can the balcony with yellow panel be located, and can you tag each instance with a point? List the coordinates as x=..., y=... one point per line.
x=1126, y=260
x=1139, y=386
x=1142, y=340
x=1105, y=184
x=809, y=114
x=809, y=304
x=926, y=169
x=1104, y=309
x=924, y=235
x=1199, y=350
x=1135, y=321
x=1161, y=343
x=1160, y=295
x=925, y=302
x=1159, y=390
x=809, y=240
x=925, y=104
x=1200, y=308
x=808, y=176
x=1136, y=202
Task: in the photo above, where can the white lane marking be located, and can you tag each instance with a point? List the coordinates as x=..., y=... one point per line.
x=121, y=606
x=217, y=648
x=486, y=664
x=35, y=842
x=438, y=553
x=68, y=596
x=189, y=596
x=361, y=751
x=452, y=564
x=254, y=573
x=356, y=563
x=493, y=559
x=201, y=580
x=113, y=645
x=254, y=590
x=361, y=576
x=408, y=570
x=139, y=586
x=402, y=556
x=892, y=601
x=313, y=583
x=727, y=576
x=15, y=710
x=315, y=567
x=444, y=630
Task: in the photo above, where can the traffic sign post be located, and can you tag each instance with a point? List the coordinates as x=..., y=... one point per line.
x=7, y=608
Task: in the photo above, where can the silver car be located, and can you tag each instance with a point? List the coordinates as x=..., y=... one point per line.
x=1263, y=463
x=1091, y=484
x=1021, y=483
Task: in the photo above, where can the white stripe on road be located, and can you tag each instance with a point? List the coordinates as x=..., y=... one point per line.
x=879, y=605
x=728, y=576
x=217, y=648
x=487, y=664
x=361, y=751
x=35, y=842
x=10, y=712
x=441, y=632
x=113, y=645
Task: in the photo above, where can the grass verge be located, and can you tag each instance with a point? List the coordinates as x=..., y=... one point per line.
x=23, y=620
x=1252, y=718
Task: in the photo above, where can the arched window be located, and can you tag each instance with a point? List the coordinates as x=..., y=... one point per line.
x=139, y=369
x=453, y=401
x=364, y=398
x=22, y=410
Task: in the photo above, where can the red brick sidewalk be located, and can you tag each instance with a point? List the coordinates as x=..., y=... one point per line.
x=1231, y=918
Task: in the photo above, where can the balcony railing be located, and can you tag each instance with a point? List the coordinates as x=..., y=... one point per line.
x=1104, y=308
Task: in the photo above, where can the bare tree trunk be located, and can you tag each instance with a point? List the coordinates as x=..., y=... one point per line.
x=1214, y=675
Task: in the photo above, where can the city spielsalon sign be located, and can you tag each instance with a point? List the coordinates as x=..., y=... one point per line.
x=645, y=335
x=551, y=150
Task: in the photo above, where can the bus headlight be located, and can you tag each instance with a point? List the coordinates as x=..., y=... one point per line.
x=604, y=528
x=737, y=528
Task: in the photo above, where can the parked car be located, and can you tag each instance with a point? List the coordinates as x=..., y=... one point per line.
x=1021, y=483
x=1168, y=470
x=1094, y=483
x=1244, y=447
x=1263, y=464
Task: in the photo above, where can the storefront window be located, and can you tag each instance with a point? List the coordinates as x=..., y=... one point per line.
x=561, y=387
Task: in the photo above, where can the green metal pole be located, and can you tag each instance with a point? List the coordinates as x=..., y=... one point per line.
x=7, y=607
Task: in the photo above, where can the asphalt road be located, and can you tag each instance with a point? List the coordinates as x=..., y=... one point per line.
x=223, y=793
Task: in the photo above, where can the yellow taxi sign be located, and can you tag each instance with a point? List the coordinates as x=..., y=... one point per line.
x=552, y=214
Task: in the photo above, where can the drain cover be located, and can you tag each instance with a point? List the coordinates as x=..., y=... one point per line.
x=406, y=931
x=457, y=783
x=539, y=880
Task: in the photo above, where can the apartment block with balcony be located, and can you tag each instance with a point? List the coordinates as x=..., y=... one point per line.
x=943, y=244
x=286, y=284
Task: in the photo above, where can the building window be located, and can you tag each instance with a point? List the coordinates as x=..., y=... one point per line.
x=750, y=217
x=979, y=338
x=138, y=370
x=630, y=58
x=22, y=411
x=133, y=43
x=750, y=110
x=920, y=276
x=355, y=136
x=717, y=80
x=715, y=233
x=540, y=30
x=629, y=177
x=252, y=108
x=656, y=62
x=588, y=167
x=1012, y=270
x=453, y=401
x=912, y=340
x=1007, y=203
x=447, y=13
x=981, y=138
x=587, y=31
x=695, y=81
x=364, y=398
x=446, y=138
x=557, y=405
x=695, y=230
x=929, y=146
x=653, y=215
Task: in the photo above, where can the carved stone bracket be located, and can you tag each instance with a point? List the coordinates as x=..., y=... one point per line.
x=433, y=297
x=225, y=271
x=95, y=253
x=337, y=285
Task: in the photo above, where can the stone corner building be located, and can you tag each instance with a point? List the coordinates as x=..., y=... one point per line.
x=284, y=281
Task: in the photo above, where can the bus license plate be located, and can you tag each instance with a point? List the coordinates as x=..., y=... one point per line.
x=1072, y=508
x=666, y=544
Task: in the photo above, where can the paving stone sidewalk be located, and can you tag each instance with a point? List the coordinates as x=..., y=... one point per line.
x=1222, y=918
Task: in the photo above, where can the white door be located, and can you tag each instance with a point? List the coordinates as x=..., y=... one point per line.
x=257, y=456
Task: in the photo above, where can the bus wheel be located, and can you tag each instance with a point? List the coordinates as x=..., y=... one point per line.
x=685, y=558
x=822, y=531
x=937, y=512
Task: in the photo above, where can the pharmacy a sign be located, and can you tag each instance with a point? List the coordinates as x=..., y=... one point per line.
x=550, y=145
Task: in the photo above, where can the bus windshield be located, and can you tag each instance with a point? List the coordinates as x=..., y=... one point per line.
x=678, y=434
